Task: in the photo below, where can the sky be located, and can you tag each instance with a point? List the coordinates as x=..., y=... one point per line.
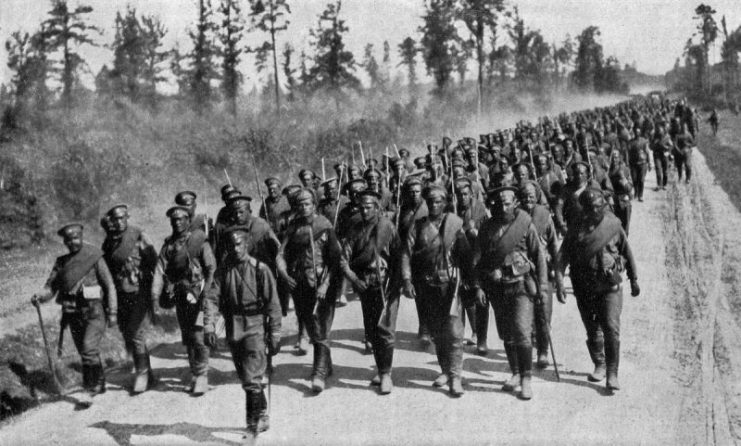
x=649, y=33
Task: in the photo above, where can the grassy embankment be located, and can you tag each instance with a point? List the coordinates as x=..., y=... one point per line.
x=703, y=234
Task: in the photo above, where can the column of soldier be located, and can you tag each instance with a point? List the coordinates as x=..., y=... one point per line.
x=470, y=224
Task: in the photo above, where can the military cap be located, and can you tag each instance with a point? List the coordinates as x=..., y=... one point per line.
x=447, y=141
x=527, y=183
x=272, y=180
x=515, y=166
x=417, y=173
x=462, y=182
x=371, y=161
x=413, y=180
x=580, y=163
x=403, y=152
x=291, y=188
x=182, y=197
x=433, y=190
x=340, y=166
x=493, y=194
x=591, y=197
x=233, y=201
x=70, y=228
x=176, y=210
x=226, y=188
x=329, y=181
x=113, y=209
x=420, y=161
x=104, y=222
x=369, y=194
x=305, y=193
x=231, y=194
x=371, y=172
x=398, y=162
x=356, y=183
x=303, y=173
x=237, y=229
x=458, y=163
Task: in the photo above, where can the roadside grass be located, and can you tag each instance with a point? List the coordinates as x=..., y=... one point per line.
x=723, y=155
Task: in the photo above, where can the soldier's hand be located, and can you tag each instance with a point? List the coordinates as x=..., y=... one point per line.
x=560, y=293
x=360, y=286
x=481, y=298
x=291, y=283
x=543, y=296
x=409, y=290
x=635, y=290
x=210, y=340
x=273, y=345
x=112, y=320
x=35, y=300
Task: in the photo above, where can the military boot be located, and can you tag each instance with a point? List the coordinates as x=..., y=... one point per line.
x=456, y=386
x=542, y=361
x=525, y=363
x=384, y=360
x=319, y=369
x=597, y=353
x=612, y=354
x=443, y=378
x=263, y=417
x=514, y=381
x=141, y=377
x=249, y=417
x=85, y=399
x=97, y=379
x=200, y=386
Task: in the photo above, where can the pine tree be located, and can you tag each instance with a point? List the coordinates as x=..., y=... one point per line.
x=270, y=16
x=408, y=52
x=153, y=32
x=128, y=55
x=231, y=33
x=439, y=36
x=371, y=67
x=333, y=64
x=201, y=70
x=289, y=73
x=64, y=30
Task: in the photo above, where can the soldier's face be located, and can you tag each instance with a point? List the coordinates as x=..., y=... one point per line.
x=529, y=197
x=330, y=191
x=435, y=205
x=305, y=207
x=504, y=205
x=464, y=196
x=274, y=191
x=306, y=181
x=414, y=193
x=238, y=248
x=458, y=172
x=521, y=174
x=73, y=241
x=179, y=223
x=118, y=222
x=542, y=165
x=399, y=170
x=580, y=174
x=241, y=214
x=373, y=181
x=368, y=209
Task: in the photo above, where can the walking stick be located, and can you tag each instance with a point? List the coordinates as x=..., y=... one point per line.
x=58, y=385
x=553, y=352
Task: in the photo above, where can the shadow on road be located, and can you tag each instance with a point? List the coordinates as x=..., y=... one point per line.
x=122, y=432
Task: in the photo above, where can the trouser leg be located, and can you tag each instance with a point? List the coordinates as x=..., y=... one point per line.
x=609, y=318
x=482, y=323
x=543, y=314
x=688, y=164
x=595, y=338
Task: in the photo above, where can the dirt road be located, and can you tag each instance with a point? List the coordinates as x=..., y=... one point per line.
x=651, y=408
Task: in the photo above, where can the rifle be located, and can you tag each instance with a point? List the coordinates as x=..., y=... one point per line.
x=313, y=256
x=228, y=180
x=398, y=201
x=257, y=183
x=362, y=155
x=339, y=190
x=380, y=280
x=324, y=172
x=55, y=379
x=60, y=344
x=532, y=163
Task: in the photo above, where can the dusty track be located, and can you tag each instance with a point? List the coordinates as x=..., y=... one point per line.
x=660, y=403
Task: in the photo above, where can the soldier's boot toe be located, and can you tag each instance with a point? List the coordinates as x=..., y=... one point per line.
x=368, y=347
x=512, y=383
x=376, y=381
x=612, y=382
x=526, y=390
x=472, y=340
x=317, y=384
x=201, y=385
x=387, y=385
x=342, y=301
x=598, y=374
x=263, y=423
x=542, y=361
x=302, y=346
x=481, y=348
x=85, y=399
x=456, y=387
x=141, y=382
x=441, y=380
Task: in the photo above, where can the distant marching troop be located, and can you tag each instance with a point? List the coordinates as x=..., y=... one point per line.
x=471, y=223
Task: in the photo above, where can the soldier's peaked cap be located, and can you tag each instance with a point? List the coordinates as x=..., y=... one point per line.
x=413, y=180
x=433, y=190
x=398, y=162
x=591, y=196
x=493, y=194
x=462, y=182
x=580, y=163
x=403, y=152
x=371, y=172
x=303, y=173
x=175, y=210
x=70, y=227
x=237, y=229
x=357, y=182
x=114, y=208
x=288, y=190
x=182, y=197
x=272, y=180
x=239, y=198
x=369, y=194
x=329, y=181
x=226, y=188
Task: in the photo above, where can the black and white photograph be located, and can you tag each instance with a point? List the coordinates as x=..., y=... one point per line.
x=370, y=222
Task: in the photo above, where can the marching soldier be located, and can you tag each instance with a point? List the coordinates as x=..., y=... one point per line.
x=350, y=213
x=309, y=262
x=329, y=205
x=370, y=263
x=435, y=256
x=185, y=268
x=661, y=147
x=83, y=286
x=245, y=293
x=622, y=185
x=187, y=199
x=473, y=213
x=639, y=161
x=568, y=210
x=413, y=209
x=513, y=274
x=683, y=154
x=275, y=203
x=131, y=258
x=543, y=222
x=597, y=251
